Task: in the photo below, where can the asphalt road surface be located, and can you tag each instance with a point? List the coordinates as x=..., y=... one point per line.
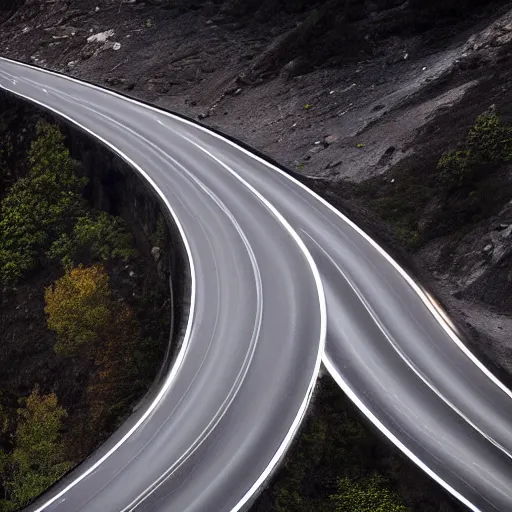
x=276, y=272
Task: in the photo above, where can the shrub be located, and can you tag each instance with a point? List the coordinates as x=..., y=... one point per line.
x=454, y=167
x=37, y=460
x=368, y=495
x=489, y=141
x=79, y=309
x=487, y=145
x=96, y=238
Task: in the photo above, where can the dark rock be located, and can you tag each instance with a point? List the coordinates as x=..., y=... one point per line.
x=156, y=252
x=334, y=164
x=243, y=80
x=296, y=67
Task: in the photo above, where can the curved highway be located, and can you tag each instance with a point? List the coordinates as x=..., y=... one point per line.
x=276, y=272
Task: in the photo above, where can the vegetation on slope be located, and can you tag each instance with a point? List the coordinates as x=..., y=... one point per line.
x=37, y=458
x=97, y=333
x=40, y=206
x=426, y=203
x=107, y=332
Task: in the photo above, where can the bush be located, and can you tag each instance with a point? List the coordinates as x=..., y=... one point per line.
x=489, y=141
x=39, y=207
x=454, y=167
x=79, y=309
x=487, y=145
x=96, y=238
x=37, y=460
x=368, y=495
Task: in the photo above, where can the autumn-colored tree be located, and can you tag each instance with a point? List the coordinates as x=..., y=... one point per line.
x=37, y=460
x=88, y=320
x=79, y=309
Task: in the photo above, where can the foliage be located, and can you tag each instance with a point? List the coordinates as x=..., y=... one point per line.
x=79, y=308
x=422, y=201
x=368, y=495
x=37, y=460
x=40, y=206
x=488, y=144
x=44, y=216
x=333, y=445
x=96, y=238
x=454, y=167
x=118, y=382
x=489, y=140
x=88, y=320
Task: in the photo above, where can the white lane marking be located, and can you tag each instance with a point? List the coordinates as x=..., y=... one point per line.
x=184, y=347
x=405, y=358
x=241, y=374
x=362, y=407
x=323, y=323
x=323, y=328
x=423, y=296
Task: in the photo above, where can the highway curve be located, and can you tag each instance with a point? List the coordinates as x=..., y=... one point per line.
x=265, y=255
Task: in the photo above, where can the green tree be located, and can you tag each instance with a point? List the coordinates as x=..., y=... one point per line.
x=96, y=238
x=37, y=460
x=40, y=206
x=368, y=495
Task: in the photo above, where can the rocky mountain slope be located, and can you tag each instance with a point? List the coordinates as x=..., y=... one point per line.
x=334, y=90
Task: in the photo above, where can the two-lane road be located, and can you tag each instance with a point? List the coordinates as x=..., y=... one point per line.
x=266, y=254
